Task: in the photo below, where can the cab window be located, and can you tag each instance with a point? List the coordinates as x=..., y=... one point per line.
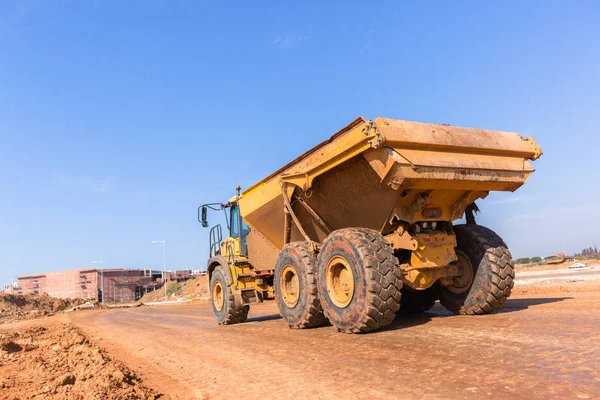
x=235, y=226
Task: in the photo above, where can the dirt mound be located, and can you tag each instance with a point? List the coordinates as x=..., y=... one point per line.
x=17, y=306
x=157, y=295
x=61, y=362
x=196, y=289
x=193, y=289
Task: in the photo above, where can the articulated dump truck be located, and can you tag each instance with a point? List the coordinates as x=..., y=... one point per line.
x=360, y=228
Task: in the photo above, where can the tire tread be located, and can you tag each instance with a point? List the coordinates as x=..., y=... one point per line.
x=497, y=261
x=235, y=314
x=313, y=314
x=383, y=289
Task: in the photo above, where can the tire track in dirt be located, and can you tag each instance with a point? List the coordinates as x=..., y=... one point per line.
x=537, y=348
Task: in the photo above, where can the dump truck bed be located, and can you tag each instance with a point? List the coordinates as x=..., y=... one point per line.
x=375, y=173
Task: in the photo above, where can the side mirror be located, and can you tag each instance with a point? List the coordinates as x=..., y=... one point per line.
x=204, y=220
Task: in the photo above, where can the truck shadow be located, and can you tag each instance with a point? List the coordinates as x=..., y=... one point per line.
x=512, y=305
x=438, y=311
x=410, y=320
x=263, y=318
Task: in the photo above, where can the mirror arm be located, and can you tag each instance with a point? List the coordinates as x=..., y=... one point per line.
x=202, y=212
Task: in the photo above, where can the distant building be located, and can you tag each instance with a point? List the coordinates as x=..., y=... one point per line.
x=119, y=284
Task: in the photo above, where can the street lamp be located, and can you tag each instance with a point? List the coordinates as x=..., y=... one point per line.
x=164, y=265
x=101, y=276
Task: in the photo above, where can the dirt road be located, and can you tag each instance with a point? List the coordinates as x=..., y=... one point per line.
x=536, y=347
x=535, y=277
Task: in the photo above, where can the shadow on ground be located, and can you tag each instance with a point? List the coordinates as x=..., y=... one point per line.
x=512, y=305
x=410, y=320
x=438, y=311
x=262, y=318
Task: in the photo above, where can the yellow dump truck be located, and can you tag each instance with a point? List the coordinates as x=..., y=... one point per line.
x=360, y=228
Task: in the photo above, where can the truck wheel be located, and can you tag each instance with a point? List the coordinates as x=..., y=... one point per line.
x=359, y=280
x=488, y=272
x=417, y=301
x=296, y=286
x=223, y=301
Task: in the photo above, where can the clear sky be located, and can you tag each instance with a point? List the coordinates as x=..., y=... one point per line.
x=118, y=118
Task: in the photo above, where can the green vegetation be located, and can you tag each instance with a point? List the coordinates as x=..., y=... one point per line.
x=527, y=260
x=590, y=252
x=174, y=289
x=524, y=260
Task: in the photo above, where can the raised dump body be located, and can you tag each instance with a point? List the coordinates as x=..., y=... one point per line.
x=372, y=173
x=399, y=181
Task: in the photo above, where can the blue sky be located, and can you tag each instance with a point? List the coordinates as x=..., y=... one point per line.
x=118, y=118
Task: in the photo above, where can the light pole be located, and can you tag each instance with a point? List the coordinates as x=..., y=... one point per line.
x=164, y=265
x=101, y=276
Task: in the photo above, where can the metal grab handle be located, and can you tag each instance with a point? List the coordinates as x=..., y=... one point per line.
x=216, y=238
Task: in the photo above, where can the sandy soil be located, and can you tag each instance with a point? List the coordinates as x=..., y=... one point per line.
x=57, y=361
x=552, y=267
x=539, y=345
x=193, y=289
x=15, y=307
x=564, y=280
x=558, y=286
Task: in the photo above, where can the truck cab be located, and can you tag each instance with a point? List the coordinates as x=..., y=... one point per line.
x=235, y=284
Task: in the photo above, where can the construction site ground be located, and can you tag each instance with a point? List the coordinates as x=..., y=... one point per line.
x=544, y=343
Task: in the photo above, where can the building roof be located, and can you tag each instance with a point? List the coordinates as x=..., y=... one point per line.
x=83, y=270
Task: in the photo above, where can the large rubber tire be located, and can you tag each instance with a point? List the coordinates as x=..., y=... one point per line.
x=376, y=280
x=418, y=301
x=229, y=313
x=299, y=258
x=493, y=272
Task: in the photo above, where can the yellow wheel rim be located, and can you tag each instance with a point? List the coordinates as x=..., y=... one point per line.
x=218, y=296
x=340, y=281
x=290, y=286
x=462, y=282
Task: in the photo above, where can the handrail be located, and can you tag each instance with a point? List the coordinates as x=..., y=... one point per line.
x=216, y=238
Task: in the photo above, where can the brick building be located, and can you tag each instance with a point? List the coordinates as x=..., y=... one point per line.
x=119, y=284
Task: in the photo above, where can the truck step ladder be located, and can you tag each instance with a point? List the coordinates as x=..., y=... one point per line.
x=249, y=296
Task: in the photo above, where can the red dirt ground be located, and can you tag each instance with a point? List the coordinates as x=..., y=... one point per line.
x=59, y=362
x=544, y=343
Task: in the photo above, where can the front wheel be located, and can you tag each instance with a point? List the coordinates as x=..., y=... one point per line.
x=223, y=301
x=487, y=272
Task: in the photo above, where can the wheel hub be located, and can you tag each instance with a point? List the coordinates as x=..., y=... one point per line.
x=340, y=281
x=218, y=296
x=462, y=282
x=290, y=286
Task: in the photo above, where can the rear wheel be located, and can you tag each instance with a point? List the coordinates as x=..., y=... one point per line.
x=296, y=286
x=359, y=280
x=223, y=301
x=487, y=272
